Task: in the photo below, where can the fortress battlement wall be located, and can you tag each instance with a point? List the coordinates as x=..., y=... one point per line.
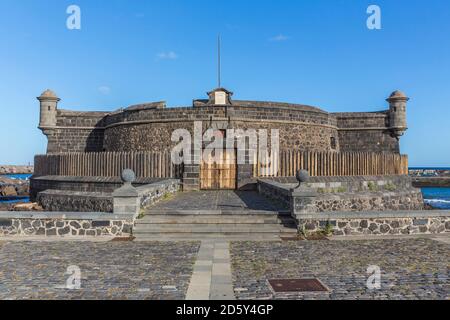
x=149, y=126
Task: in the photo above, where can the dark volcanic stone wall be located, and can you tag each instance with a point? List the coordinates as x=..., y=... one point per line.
x=145, y=137
x=76, y=132
x=366, y=132
x=74, y=140
x=301, y=128
x=297, y=136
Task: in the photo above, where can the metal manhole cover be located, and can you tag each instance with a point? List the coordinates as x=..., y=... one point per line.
x=297, y=285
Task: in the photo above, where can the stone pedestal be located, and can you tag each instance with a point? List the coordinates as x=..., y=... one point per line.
x=302, y=203
x=126, y=201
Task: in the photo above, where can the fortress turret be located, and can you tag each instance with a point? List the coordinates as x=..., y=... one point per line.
x=49, y=105
x=397, y=113
x=220, y=96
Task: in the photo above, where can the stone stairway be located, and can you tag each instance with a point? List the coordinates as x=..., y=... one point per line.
x=230, y=225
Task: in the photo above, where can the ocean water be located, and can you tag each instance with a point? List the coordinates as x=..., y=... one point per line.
x=438, y=198
x=16, y=199
x=24, y=176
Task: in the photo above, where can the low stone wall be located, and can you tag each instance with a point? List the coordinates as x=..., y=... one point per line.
x=334, y=194
x=376, y=223
x=356, y=202
x=81, y=184
x=275, y=191
x=152, y=193
x=126, y=202
x=65, y=224
x=74, y=201
x=345, y=183
x=78, y=201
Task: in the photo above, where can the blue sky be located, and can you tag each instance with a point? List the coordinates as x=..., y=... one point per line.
x=313, y=52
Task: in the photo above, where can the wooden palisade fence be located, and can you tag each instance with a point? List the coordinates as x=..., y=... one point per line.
x=334, y=164
x=159, y=165
x=107, y=164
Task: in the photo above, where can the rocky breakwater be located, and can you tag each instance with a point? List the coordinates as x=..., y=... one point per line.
x=438, y=178
x=10, y=188
x=15, y=169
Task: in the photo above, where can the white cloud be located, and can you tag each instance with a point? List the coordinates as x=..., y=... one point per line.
x=279, y=38
x=170, y=55
x=105, y=90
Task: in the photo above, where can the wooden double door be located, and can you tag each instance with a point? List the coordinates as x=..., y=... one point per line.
x=219, y=175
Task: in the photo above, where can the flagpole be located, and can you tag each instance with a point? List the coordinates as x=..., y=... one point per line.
x=219, y=62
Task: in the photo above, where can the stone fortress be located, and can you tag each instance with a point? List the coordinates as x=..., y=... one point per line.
x=358, y=178
x=149, y=126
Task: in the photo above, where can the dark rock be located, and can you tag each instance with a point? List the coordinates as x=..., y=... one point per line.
x=6, y=223
x=40, y=232
x=354, y=224
x=97, y=224
x=395, y=224
x=373, y=227
x=348, y=231
x=342, y=225
x=23, y=190
x=64, y=231
x=75, y=225
x=127, y=228
x=364, y=224
x=405, y=231
x=117, y=223
x=8, y=191
x=37, y=224
x=385, y=228
x=51, y=232
x=26, y=224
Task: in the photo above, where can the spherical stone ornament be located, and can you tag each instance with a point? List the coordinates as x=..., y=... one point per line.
x=128, y=175
x=302, y=176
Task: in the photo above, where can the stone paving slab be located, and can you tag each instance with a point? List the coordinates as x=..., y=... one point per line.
x=410, y=268
x=109, y=270
x=218, y=202
x=212, y=278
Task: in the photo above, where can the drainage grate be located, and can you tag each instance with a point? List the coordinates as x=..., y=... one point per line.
x=297, y=285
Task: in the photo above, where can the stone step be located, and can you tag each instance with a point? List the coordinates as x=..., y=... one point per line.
x=213, y=228
x=212, y=219
x=208, y=236
x=216, y=212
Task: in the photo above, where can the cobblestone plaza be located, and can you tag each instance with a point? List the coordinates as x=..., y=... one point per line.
x=416, y=268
